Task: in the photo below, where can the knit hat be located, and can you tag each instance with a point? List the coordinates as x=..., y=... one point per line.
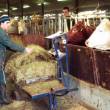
x=4, y=18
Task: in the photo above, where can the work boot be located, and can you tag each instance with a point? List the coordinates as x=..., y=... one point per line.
x=3, y=95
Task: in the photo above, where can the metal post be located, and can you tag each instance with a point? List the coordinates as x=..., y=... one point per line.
x=76, y=6
x=8, y=7
x=52, y=102
x=42, y=6
x=21, y=8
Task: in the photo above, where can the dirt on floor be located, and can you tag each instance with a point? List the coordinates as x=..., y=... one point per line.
x=66, y=102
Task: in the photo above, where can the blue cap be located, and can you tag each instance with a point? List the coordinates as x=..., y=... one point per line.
x=4, y=18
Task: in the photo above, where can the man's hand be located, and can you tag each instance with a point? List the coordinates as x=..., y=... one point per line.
x=28, y=50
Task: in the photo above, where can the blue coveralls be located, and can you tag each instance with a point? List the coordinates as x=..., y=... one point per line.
x=6, y=43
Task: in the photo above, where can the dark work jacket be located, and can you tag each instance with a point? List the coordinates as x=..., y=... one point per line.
x=6, y=43
x=69, y=22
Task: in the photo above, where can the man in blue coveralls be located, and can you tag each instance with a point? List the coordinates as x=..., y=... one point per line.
x=6, y=43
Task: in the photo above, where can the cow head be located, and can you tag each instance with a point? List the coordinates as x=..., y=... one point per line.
x=22, y=27
x=79, y=33
x=17, y=27
x=100, y=38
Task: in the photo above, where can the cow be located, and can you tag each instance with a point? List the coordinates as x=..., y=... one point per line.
x=79, y=33
x=100, y=38
x=22, y=29
x=17, y=27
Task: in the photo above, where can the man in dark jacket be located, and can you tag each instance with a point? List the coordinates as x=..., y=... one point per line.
x=6, y=43
x=68, y=20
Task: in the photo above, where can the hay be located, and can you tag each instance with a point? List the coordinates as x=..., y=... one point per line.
x=25, y=66
x=16, y=105
x=69, y=102
x=41, y=105
x=23, y=105
x=43, y=87
x=35, y=69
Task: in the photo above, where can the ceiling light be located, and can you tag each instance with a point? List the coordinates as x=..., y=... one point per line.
x=1, y=11
x=45, y=3
x=16, y=17
x=39, y=4
x=5, y=10
x=26, y=6
x=61, y=0
x=14, y=8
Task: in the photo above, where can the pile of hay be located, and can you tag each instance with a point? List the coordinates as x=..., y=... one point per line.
x=69, y=102
x=23, y=66
x=16, y=105
x=24, y=105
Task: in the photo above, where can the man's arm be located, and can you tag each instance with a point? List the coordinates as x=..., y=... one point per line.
x=6, y=41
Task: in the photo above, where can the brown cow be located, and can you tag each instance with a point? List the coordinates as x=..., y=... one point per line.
x=79, y=33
